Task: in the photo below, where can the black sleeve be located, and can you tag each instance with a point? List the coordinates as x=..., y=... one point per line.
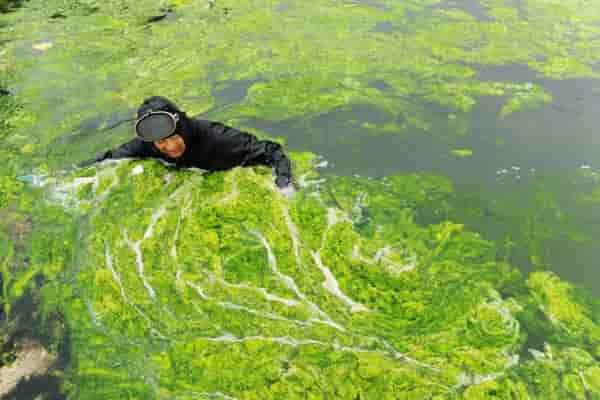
x=238, y=148
x=270, y=153
x=133, y=149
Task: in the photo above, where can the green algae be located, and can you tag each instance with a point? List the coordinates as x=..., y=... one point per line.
x=216, y=285
x=180, y=285
x=462, y=153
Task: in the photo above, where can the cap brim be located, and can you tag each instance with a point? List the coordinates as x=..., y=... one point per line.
x=150, y=132
x=152, y=138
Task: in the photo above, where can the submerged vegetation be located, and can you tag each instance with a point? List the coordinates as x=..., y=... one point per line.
x=150, y=282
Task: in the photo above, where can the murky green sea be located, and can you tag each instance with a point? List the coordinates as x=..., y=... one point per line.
x=442, y=243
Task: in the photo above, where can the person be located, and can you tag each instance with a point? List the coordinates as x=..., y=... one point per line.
x=165, y=132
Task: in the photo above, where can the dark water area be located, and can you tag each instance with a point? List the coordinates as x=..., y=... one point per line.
x=544, y=149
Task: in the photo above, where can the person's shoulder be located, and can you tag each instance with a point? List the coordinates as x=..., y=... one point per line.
x=199, y=125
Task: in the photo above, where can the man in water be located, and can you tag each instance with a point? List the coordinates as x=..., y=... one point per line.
x=166, y=132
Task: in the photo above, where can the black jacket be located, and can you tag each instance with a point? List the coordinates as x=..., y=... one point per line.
x=211, y=146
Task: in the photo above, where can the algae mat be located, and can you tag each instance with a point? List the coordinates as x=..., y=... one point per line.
x=179, y=284
x=214, y=286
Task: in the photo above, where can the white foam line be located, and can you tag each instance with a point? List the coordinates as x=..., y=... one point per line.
x=156, y=215
x=110, y=266
x=117, y=278
x=92, y=313
x=175, y=236
x=293, y=230
x=63, y=192
x=467, y=379
x=332, y=218
x=330, y=283
x=139, y=261
x=381, y=255
x=184, y=210
x=272, y=297
x=218, y=395
x=198, y=289
x=108, y=190
x=287, y=280
x=284, y=340
x=234, y=191
x=238, y=307
x=261, y=290
x=293, y=342
x=268, y=315
x=153, y=220
x=404, y=357
x=136, y=246
x=332, y=286
x=291, y=284
x=583, y=380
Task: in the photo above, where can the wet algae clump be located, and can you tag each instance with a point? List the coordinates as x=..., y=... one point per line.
x=189, y=285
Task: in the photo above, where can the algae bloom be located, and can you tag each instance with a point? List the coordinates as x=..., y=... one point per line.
x=135, y=280
x=217, y=286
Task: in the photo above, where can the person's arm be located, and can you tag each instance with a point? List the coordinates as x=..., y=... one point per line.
x=244, y=149
x=265, y=152
x=133, y=149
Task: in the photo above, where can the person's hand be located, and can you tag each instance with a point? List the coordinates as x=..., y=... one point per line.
x=288, y=191
x=285, y=186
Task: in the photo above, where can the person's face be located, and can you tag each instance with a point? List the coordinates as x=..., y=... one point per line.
x=173, y=146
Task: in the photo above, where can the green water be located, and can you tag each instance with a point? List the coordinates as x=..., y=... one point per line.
x=442, y=243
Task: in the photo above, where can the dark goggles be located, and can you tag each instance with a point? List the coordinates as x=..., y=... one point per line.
x=156, y=125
